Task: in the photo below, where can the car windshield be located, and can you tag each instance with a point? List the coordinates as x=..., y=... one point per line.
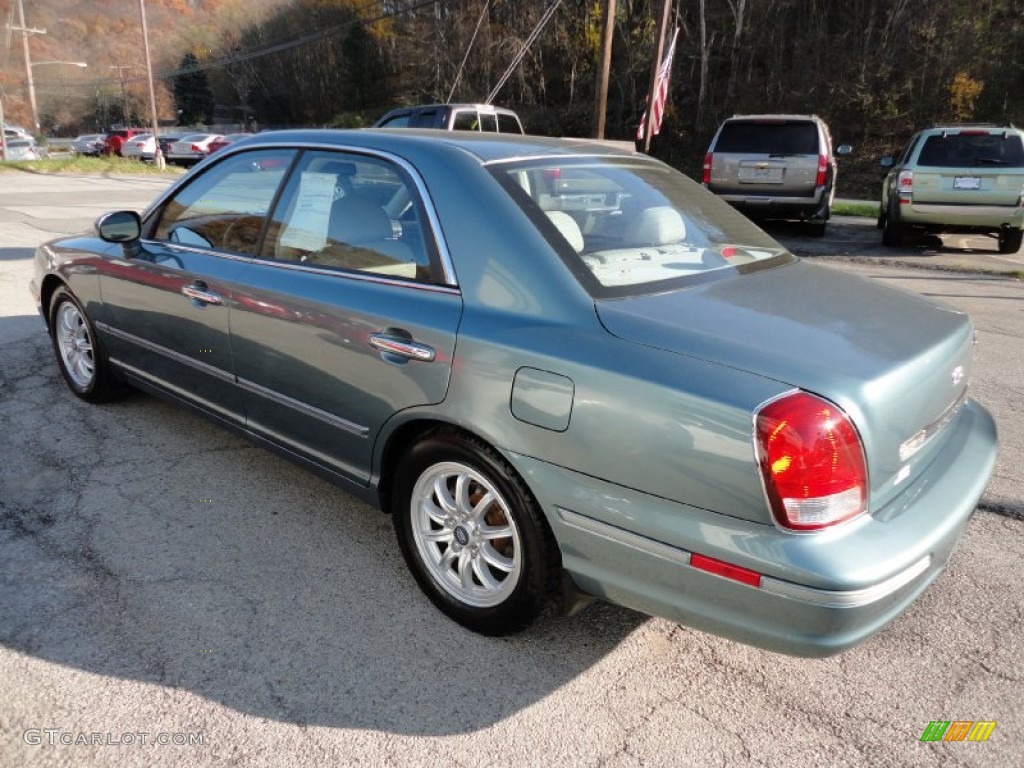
x=627, y=226
x=972, y=148
x=776, y=137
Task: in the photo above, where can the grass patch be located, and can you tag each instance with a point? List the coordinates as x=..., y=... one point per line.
x=867, y=210
x=88, y=165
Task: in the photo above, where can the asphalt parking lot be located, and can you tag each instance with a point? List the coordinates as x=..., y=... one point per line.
x=162, y=580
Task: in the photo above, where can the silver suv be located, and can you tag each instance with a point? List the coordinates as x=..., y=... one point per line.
x=957, y=178
x=775, y=167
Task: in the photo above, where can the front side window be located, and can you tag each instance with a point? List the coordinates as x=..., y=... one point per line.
x=398, y=121
x=226, y=207
x=626, y=226
x=353, y=212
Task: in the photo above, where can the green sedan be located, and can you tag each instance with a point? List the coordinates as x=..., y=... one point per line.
x=565, y=370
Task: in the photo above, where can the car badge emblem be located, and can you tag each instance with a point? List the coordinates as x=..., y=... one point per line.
x=958, y=375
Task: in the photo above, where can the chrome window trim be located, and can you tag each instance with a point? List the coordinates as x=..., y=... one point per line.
x=351, y=427
x=368, y=277
x=561, y=155
x=447, y=266
x=826, y=598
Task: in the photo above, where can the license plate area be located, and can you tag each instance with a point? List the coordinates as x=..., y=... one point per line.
x=966, y=182
x=761, y=174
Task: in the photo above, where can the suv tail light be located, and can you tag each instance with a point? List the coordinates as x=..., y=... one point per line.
x=812, y=462
x=819, y=181
x=905, y=182
x=705, y=176
x=196, y=148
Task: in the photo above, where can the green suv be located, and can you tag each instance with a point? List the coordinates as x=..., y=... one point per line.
x=957, y=178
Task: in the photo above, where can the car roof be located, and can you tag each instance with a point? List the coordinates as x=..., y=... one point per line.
x=774, y=117
x=486, y=147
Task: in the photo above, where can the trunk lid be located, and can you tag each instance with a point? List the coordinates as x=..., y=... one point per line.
x=897, y=363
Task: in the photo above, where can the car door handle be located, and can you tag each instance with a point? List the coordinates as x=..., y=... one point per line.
x=402, y=347
x=198, y=292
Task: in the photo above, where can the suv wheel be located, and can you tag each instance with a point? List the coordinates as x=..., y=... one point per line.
x=1010, y=240
x=892, y=230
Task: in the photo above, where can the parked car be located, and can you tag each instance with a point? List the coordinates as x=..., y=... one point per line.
x=775, y=167
x=225, y=141
x=167, y=139
x=116, y=138
x=957, y=178
x=90, y=144
x=190, y=149
x=454, y=117
x=16, y=132
x=575, y=368
x=22, y=149
x=141, y=147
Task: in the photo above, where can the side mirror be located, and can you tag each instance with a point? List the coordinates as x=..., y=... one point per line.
x=844, y=149
x=887, y=161
x=124, y=227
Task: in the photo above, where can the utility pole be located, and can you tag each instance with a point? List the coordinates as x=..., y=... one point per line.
x=158, y=155
x=662, y=26
x=601, y=102
x=25, y=32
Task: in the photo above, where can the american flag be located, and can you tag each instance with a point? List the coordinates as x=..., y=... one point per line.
x=660, y=92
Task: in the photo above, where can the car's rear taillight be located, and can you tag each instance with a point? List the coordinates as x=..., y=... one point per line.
x=905, y=182
x=819, y=180
x=705, y=176
x=812, y=462
x=196, y=148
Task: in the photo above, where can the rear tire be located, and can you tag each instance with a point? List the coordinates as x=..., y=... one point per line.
x=892, y=230
x=472, y=534
x=1010, y=240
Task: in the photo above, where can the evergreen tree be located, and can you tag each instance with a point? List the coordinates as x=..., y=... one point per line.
x=192, y=93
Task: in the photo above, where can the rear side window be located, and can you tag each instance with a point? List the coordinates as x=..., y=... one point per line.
x=508, y=124
x=773, y=138
x=350, y=212
x=488, y=122
x=971, y=149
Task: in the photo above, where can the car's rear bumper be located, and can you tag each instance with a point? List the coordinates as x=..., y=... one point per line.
x=988, y=217
x=819, y=593
x=768, y=205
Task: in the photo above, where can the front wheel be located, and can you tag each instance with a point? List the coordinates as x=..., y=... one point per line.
x=77, y=350
x=472, y=534
x=1010, y=240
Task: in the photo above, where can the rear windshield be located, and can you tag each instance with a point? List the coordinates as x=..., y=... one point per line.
x=792, y=137
x=629, y=226
x=968, y=149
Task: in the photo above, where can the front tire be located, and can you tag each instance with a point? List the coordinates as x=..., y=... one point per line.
x=472, y=534
x=1010, y=240
x=78, y=351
